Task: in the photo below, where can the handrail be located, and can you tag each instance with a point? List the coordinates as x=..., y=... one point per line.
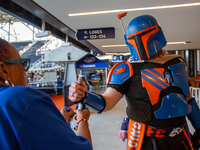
x=25, y=49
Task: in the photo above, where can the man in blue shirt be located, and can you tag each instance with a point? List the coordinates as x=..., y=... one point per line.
x=28, y=118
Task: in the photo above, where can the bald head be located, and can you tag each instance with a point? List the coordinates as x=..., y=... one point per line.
x=7, y=51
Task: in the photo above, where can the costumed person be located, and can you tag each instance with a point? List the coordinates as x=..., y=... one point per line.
x=156, y=88
x=29, y=120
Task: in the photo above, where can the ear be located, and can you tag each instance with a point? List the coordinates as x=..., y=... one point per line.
x=4, y=73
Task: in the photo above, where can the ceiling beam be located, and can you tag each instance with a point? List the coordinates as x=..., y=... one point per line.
x=30, y=12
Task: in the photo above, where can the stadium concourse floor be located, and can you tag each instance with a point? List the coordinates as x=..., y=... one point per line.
x=104, y=127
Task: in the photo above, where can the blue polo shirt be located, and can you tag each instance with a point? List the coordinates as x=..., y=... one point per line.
x=29, y=120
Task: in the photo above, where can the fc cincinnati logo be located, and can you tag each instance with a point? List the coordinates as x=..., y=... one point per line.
x=89, y=59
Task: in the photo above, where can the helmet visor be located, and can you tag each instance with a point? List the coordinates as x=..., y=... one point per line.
x=139, y=41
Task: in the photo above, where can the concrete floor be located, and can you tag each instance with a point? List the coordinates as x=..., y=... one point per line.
x=105, y=128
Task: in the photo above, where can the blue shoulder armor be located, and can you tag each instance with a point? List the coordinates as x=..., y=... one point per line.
x=120, y=72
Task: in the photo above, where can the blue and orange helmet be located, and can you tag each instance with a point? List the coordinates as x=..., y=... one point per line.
x=144, y=37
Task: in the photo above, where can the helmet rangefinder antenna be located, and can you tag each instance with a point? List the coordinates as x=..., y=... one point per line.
x=119, y=16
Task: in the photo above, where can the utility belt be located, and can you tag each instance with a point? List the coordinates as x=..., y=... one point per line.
x=137, y=131
x=161, y=132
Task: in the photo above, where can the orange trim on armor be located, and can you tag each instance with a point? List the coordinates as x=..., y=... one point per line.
x=154, y=92
x=153, y=79
x=111, y=72
x=113, y=68
x=188, y=139
x=146, y=37
x=136, y=132
x=130, y=68
x=135, y=45
x=160, y=70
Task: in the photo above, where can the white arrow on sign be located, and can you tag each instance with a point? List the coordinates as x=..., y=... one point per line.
x=85, y=37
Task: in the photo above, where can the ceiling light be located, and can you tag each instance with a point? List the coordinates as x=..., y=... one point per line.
x=121, y=45
x=114, y=45
x=134, y=9
x=125, y=54
x=176, y=42
x=109, y=55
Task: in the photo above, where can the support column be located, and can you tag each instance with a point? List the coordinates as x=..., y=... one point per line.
x=191, y=62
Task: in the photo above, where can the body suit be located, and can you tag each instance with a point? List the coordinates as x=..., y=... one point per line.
x=140, y=108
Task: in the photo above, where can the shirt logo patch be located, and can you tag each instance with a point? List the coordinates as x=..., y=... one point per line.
x=121, y=70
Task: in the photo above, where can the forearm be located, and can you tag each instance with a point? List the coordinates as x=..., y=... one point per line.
x=83, y=130
x=109, y=104
x=111, y=97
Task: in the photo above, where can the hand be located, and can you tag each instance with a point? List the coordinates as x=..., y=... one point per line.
x=123, y=135
x=82, y=114
x=77, y=90
x=67, y=115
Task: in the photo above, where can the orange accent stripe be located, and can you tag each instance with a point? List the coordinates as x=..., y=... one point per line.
x=153, y=80
x=155, y=75
x=153, y=92
x=142, y=31
x=146, y=37
x=136, y=132
x=135, y=45
x=187, y=137
x=130, y=68
x=111, y=72
x=161, y=72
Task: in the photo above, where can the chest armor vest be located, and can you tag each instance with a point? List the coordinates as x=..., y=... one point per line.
x=161, y=90
x=167, y=90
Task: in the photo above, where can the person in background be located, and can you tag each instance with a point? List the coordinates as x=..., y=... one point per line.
x=28, y=118
x=156, y=88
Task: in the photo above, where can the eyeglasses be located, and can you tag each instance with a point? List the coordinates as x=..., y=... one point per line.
x=25, y=62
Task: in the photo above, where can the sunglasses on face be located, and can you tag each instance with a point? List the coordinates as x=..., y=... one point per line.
x=25, y=62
